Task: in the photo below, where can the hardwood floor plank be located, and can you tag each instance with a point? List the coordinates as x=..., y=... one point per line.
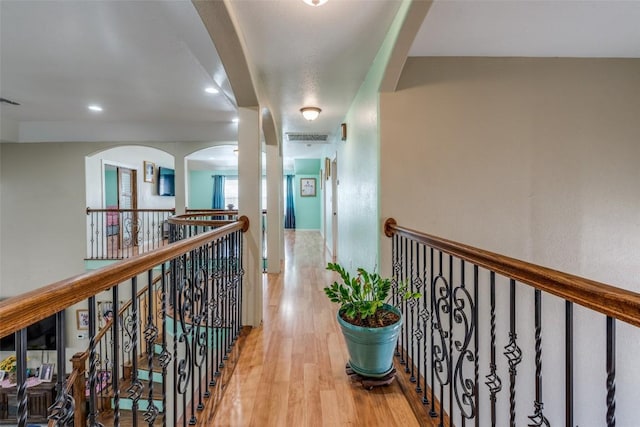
x=292, y=369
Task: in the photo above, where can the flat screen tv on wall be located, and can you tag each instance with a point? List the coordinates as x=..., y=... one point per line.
x=40, y=336
x=166, y=182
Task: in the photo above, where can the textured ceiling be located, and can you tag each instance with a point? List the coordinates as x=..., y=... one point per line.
x=147, y=62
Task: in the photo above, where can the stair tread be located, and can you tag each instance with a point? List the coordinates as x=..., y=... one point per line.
x=107, y=418
x=143, y=363
x=124, y=384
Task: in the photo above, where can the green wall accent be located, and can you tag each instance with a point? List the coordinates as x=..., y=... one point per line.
x=200, y=189
x=307, y=166
x=110, y=188
x=307, y=208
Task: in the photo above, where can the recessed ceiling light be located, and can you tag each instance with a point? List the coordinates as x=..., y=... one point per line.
x=211, y=90
x=235, y=120
x=94, y=107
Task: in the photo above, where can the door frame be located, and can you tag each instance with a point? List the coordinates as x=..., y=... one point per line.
x=335, y=182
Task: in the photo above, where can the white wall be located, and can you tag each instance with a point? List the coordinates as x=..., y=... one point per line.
x=42, y=209
x=132, y=157
x=359, y=225
x=537, y=159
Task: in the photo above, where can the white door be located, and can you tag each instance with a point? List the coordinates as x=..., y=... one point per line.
x=127, y=199
x=334, y=208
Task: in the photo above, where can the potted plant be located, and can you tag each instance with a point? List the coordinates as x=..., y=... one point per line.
x=369, y=324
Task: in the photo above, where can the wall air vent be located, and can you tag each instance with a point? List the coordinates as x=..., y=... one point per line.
x=313, y=138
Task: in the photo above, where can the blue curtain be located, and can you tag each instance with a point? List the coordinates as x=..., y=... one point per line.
x=218, y=192
x=289, y=214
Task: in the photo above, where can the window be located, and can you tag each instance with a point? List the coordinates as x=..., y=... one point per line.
x=231, y=192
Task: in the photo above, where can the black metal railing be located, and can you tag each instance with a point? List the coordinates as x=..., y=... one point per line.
x=123, y=233
x=473, y=342
x=222, y=215
x=161, y=327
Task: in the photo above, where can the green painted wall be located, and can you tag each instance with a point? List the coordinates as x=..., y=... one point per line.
x=307, y=208
x=307, y=166
x=200, y=189
x=110, y=188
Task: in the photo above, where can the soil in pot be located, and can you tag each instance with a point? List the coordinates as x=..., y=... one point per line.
x=382, y=319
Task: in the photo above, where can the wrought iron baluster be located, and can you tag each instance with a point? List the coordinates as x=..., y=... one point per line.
x=425, y=324
x=21, y=374
x=568, y=308
x=201, y=333
x=92, y=233
x=611, y=372
x=93, y=362
x=493, y=380
x=434, y=317
x=476, y=343
x=227, y=302
x=538, y=418
x=450, y=312
x=150, y=336
x=207, y=317
x=220, y=307
x=115, y=374
x=184, y=338
x=411, y=305
x=395, y=268
x=165, y=356
x=513, y=353
x=131, y=325
x=418, y=334
x=464, y=314
x=193, y=340
x=441, y=350
x=241, y=278
x=404, y=337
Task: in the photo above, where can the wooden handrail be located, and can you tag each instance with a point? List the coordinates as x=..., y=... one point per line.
x=90, y=210
x=23, y=310
x=606, y=299
x=188, y=219
x=216, y=211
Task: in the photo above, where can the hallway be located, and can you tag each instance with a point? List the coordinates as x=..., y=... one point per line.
x=292, y=369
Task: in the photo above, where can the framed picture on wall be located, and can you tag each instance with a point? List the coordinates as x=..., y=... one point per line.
x=82, y=319
x=149, y=171
x=307, y=187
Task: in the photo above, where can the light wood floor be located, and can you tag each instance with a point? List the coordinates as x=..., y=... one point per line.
x=292, y=370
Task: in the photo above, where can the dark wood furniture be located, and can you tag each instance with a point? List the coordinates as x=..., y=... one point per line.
x=39, y=399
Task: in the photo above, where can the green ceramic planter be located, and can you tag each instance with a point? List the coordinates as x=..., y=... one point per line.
x=371, y=349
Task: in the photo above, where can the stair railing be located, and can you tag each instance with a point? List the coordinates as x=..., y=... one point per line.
x=228, y=215
x=201, y=275
x=122, y=233
x=103, y=388
x=473, y=342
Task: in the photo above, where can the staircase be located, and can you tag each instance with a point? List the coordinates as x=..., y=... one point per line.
x=153, y=378
x=147, y=380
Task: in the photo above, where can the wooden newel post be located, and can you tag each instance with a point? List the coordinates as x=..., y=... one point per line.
x=79, y=385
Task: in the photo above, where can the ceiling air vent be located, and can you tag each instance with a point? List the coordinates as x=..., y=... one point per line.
x=316, y=138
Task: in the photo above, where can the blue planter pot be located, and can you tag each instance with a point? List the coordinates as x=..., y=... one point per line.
x=371, y=349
